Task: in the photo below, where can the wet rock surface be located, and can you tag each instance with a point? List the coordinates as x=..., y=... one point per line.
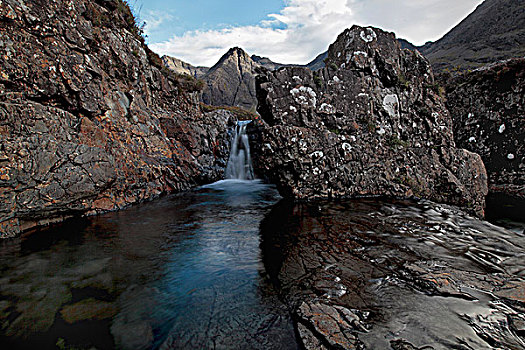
x=488, y=109
x=396, y=275
x=88, y=121
x=372, y=122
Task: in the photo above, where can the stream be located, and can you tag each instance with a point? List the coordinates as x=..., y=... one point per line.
x=233, y=266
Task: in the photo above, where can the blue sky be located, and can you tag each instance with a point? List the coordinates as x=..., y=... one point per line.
x=286, y=31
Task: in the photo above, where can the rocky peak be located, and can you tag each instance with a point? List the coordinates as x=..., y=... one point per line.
x=181, y=67
x=372, y=122
x=231, y=81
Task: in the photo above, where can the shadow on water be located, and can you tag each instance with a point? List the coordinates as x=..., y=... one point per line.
x=184, y=271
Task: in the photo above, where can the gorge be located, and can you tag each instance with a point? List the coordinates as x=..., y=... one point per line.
x=134, y=219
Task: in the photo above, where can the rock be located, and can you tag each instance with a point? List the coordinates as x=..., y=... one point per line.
x=328, y=325
x=88, y=309
x=231, y=81
x=487, y=106
x=90, y=120
x=372, y=122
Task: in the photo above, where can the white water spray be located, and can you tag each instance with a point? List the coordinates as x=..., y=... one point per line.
x=240, y=162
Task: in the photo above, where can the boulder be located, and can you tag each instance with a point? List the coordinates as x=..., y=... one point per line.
x=372, y=122
x=488, y=109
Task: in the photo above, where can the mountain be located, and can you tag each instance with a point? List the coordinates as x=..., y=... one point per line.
x=231, y=81
x=494, y=31
x=318, y=62
x=181, y=67
x=268, y=63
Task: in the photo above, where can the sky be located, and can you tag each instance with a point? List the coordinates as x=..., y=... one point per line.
x=287, y=31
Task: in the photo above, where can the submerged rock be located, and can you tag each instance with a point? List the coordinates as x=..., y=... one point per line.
x=372, y=122
x=488, y=109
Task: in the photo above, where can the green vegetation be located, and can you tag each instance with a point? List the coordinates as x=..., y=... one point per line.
x=395, y=141
x=240, y=113
x=318, y=81
x=401, y=78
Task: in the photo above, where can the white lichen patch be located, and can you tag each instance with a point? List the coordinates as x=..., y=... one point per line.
x=347, y=147
x=368, y=35
x=391, y=105
x=470, y=115
x=327, y=108
x=510, y=156
x=304, y=96
x=381, y=131
x=336, y=79
x=360, y=53
x=317, y=154
x=316, y=171
x=297, y=78
x=472, y=139
x=501, y=128
x=293, y=109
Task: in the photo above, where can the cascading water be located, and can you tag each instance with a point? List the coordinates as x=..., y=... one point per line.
x=240, y=163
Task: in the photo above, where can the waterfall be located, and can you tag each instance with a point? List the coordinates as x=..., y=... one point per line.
x=240, y=163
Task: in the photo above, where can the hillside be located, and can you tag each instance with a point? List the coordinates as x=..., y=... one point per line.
x=494, y=31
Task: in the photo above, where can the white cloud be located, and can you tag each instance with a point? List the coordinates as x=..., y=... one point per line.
x=305, y=28
x=154, y=19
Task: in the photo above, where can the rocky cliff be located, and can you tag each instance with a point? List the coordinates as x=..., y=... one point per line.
x=89, y=119
x=494, y=31
x=372, y=122
x=488, y=107
x=181, y=67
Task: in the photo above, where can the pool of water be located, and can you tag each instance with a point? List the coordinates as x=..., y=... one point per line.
x=184, y=271
x=231, y=265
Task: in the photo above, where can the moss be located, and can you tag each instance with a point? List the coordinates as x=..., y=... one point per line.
x=333, y=66
x=371, y=126
x=240, y=113
x=318, y=81
x=401, y=78
x=395, y=142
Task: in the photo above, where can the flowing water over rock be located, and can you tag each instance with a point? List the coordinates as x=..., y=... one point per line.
x=227, y=266
x=397, y=274
x=184, y=271
x=240, y=161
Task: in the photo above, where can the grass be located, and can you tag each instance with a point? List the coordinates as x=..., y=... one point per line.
x=240, y=113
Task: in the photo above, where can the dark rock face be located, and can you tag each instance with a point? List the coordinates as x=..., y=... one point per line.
x=488, y=108
x=231, y=82
x=494, y=31
x=369, y=123
x=87, y=123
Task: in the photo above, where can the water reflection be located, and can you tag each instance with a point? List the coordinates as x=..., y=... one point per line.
x=182, y=272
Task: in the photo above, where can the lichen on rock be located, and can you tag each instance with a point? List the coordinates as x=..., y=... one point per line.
x=382, y=126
